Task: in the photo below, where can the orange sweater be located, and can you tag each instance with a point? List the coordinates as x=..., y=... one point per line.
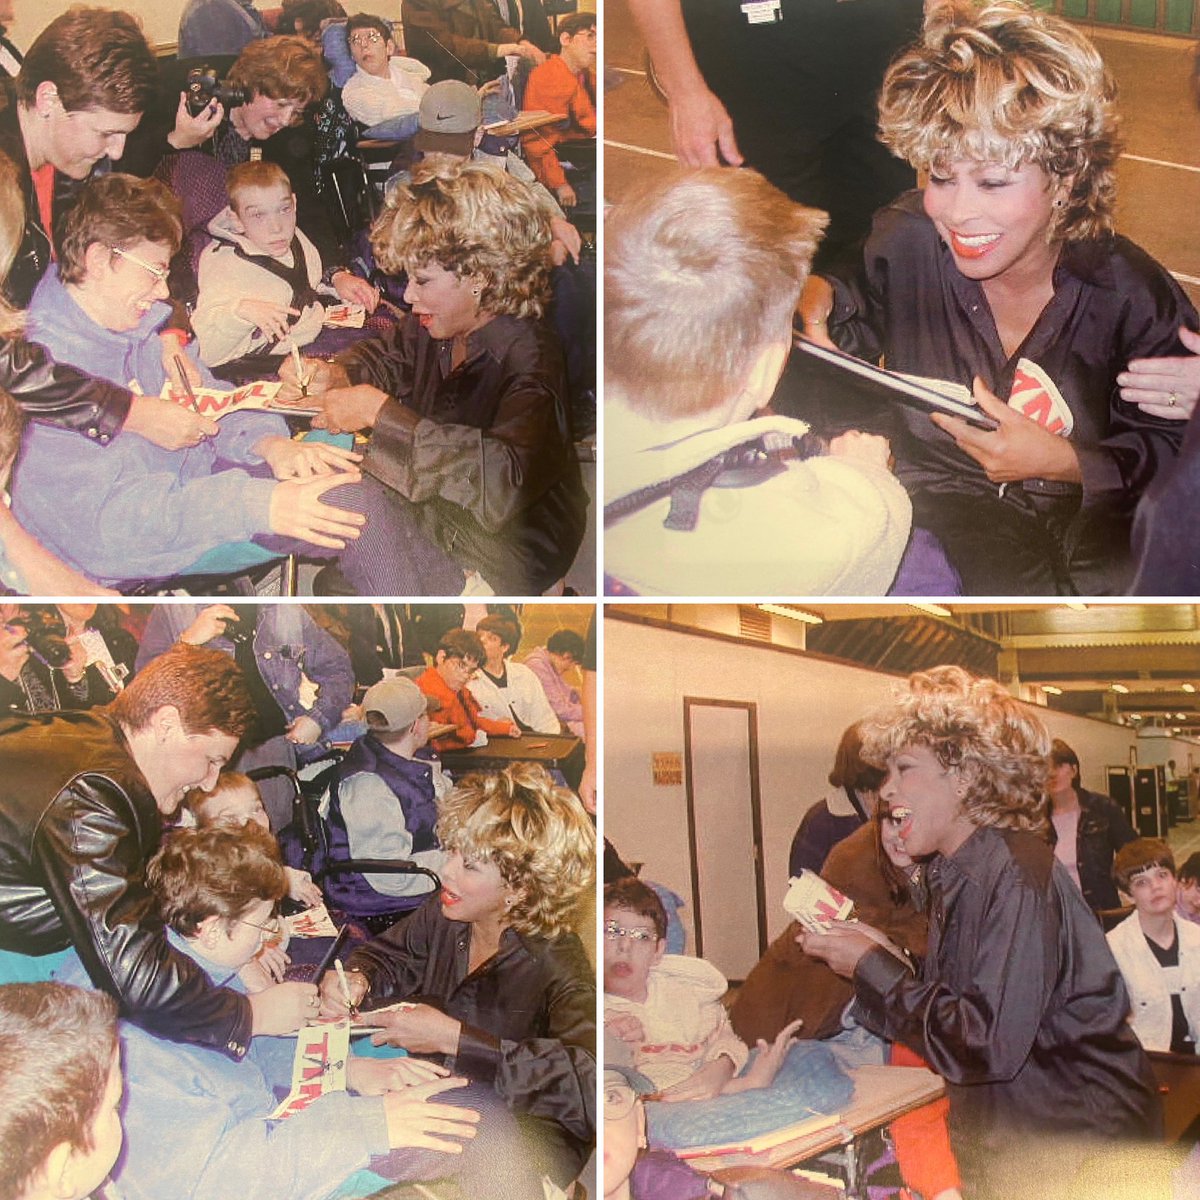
x=554, y=89
x=459, y=709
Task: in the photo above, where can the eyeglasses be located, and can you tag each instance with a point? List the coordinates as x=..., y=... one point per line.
x=159, y=273
x=619, y=1099
x=614, y=933
x=266, y=932
x=369, y=38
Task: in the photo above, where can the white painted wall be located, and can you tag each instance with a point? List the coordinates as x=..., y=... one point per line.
x=803, y=705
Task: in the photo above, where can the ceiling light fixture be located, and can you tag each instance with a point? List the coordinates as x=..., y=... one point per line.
x=793, y=614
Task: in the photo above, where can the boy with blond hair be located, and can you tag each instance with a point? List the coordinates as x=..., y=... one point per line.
x=703, y=269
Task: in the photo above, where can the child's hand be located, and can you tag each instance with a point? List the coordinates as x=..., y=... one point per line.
x=704, y=1084
x=413, y=1121
x=566, y=195
x=269, y=318
x=566, y=241
x=301, y=888
x=761, y=1073
x=626, y=1027
x=289, y=459
x=354, y=290
x=297, y=511
x=856, y=446
x=374, y=1076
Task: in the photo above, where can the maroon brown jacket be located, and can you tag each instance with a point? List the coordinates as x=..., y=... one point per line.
x=786, y=983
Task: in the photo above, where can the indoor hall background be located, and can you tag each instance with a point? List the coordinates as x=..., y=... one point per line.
x=1158, y=176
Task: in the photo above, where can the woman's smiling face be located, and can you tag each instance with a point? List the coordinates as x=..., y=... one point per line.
x=995, y=219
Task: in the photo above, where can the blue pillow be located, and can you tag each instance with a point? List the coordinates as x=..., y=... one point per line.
x=811, y=1082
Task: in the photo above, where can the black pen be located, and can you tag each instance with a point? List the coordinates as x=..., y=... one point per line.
x=187, y=383
x=331, y=954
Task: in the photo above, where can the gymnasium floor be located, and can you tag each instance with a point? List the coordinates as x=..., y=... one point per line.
x=1158, y=178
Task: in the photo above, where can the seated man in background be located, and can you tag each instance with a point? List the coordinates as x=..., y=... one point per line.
x=551, y=663
x=383, y=802
x=1159, y=955
x=455, y=661
x=385, y=90
x=565, y=84
x=450, y=121
x=507, y=690
x=60, y=1123
x=138, y=511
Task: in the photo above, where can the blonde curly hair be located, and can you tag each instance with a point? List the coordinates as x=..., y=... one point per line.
x=973, y=726
x=537, y=834
x=471, y=219
x=1004, y=83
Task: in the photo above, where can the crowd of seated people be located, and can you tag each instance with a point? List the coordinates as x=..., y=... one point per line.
x=149, y=812
x=247, y=263
x=971, y=949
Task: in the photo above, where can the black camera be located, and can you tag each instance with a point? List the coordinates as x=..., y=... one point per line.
x=241, y=630
x=204, y=87
x=43, y=636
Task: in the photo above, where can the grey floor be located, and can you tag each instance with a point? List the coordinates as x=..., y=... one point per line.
x=1158, y=177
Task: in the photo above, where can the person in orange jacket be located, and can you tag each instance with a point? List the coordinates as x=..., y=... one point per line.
x=455, y=661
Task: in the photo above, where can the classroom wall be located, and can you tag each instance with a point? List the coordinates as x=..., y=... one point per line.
x=804, y=703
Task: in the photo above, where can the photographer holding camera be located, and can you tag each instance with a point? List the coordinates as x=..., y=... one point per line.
x=39, y=671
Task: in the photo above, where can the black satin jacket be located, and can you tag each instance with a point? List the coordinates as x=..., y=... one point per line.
x=484, y=449
x=77, y=825
x=1021, y=1008
x=528, y=1014
x=1112, y=303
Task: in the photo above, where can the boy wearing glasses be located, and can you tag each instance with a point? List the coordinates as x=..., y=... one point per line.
x=195, y=1121
x=663, y=1015
x=385, y=90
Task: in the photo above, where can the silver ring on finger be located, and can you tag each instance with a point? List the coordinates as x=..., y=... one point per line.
x=1172, y=398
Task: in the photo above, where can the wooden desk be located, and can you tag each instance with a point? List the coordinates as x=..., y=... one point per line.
x=551, y=750
x=881, y=1094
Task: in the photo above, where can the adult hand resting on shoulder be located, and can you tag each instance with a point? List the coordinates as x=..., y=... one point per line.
x=1165, y=387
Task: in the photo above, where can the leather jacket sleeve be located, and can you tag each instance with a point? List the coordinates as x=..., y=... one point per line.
x=494, y=473
x=59, y=394
x=90, y=847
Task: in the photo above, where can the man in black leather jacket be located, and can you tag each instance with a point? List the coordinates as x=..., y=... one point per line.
x=82, y=799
